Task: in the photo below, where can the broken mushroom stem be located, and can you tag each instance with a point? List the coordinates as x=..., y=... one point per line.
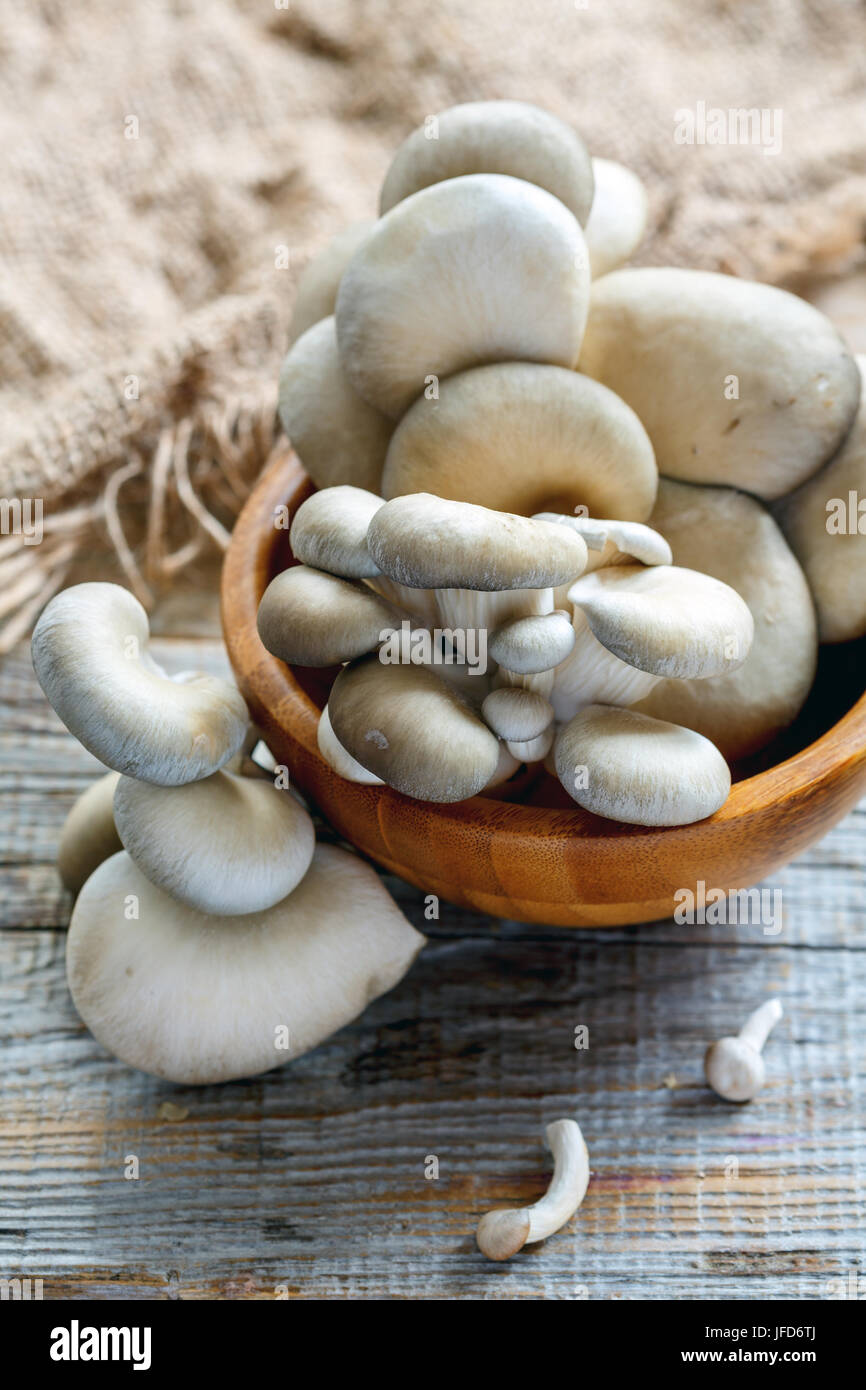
x=501, y=1233
x=734, y=1066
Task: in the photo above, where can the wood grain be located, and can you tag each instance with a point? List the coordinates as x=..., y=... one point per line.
x=311, y=1180
x=540, y=862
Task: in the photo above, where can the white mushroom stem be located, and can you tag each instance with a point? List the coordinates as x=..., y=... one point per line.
x=593, y=675
x=760, y=1024
x=503, y=1232
x=734, y=1066
x=418, y=603
x=487, y=610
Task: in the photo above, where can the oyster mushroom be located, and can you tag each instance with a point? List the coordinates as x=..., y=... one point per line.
x=494, y=137
x=226, y=845
x=529, y=646
x=617, y=218
x=501, y=1233
x=516, y=715
x=477, y=269
x=90, y=656
x=734, y=1066
x=629, y=767
x=329, y=531
x=737, y=383
x=198, y=999
x=89, y=833
x=337, y=435
x=310, y=618
x=824, y=522
x=337, y=757
x=487, y=567
x=636, y=625
x=522, y=437
x=735, y=539
x=317, y=288
x=412, y=729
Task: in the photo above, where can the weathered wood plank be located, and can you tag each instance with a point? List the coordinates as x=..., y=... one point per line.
x=314, y=1175
x=312, y=1178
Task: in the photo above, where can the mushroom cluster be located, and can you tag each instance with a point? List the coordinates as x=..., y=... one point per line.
x=554, y=493
x=211, y=937
x=471, y=639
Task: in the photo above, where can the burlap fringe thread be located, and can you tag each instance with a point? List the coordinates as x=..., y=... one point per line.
x=196, y=479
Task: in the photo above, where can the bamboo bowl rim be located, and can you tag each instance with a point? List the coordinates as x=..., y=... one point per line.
x=272, y=687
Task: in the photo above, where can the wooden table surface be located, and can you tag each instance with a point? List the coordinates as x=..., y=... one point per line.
x=310, y=1181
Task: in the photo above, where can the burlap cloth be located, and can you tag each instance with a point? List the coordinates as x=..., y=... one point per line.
x=157, y=155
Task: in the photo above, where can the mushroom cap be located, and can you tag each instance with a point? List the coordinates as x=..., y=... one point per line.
x=310, y=618
x=734, y=538
x=226, y=845
x=337, y=435
x=329, y=531
x=666, y=620
x=533, y=644
x=413, y=730
x=89, y=834
x=90, y=656
x=516, y=714
x=734, y=1069
x=523, y=437
x=671, y=342
x=317, y=287
x=431, y=542
x=617, y=218
x=483, y=268
x=533, y=750
x=494, y=137
x=337, y=757
x=639, y=770
x=833, y=554
x=198, y=999
x=621, y=542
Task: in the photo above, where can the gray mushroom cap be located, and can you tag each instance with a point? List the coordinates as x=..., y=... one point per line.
x=310, y=618
x=666, y=620
x=629, y=767
x=413, y=730
x=89, y=834
x=737, y=383
x=824, y=522
x=318, y=285
x=521, y=436
x=494, y=137
x=617, y=218
x=434, y=543
x=329, y=531
x=199, y=999
x=338, y=436
x=226, y=845
x=616, y=542
x=91, y=659
x=481, y=268
x=734, y=538
x=516, y=714
x=533, y=644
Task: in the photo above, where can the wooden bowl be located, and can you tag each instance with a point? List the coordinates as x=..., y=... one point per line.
x=543, y=860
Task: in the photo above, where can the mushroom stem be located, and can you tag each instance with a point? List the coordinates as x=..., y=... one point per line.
x=759, y=1025
x=503, y=1232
